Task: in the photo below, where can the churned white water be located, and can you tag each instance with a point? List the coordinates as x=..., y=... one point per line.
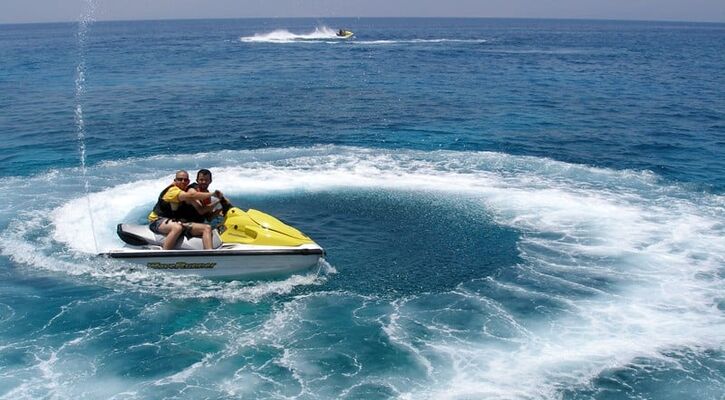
x=626, y=267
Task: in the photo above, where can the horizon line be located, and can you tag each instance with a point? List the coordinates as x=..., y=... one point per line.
x=372, y=17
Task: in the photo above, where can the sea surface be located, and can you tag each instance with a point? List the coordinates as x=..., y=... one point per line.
x=511, y=209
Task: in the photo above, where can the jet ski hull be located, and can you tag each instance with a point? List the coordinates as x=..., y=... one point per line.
x=249, y=244
x=237, y=262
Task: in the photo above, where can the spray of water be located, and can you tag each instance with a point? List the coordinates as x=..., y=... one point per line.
x=85, y=19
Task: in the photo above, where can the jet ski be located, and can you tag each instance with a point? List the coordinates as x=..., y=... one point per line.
x=247, y=244
x=343, y=33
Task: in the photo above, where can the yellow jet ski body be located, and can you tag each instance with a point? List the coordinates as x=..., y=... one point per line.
x=256, y=227
x=345, y=34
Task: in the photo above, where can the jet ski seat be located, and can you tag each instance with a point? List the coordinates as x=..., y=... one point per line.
x=141, y=235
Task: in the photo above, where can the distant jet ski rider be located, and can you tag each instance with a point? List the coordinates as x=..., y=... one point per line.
x=205, y=213
x=174, y=202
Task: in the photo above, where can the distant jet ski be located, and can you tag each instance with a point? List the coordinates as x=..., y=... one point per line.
x=343, y=33
x=248, y=244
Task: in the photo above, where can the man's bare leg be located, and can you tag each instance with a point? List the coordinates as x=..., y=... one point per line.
x=204, y=231
x=172, y=230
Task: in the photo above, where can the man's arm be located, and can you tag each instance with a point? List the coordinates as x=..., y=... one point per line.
x=201, y=209
x=192, y=197
x=192, y=194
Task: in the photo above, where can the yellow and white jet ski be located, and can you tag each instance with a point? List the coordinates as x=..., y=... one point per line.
x=248, y=244
x=345, y=34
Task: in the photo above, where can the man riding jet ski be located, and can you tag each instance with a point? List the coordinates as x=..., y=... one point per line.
x=343, y=33
x=209, y=211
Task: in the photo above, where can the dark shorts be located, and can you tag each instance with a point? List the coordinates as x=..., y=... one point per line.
x=154, y=226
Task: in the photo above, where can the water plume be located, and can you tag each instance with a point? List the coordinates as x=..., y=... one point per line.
x=84, y=21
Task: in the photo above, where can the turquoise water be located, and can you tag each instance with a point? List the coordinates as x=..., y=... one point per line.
x=511, y=209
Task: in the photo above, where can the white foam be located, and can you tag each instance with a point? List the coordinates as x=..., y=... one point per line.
x=324, y=34
x=418, y=41
x=660, y=248
x=285, y=36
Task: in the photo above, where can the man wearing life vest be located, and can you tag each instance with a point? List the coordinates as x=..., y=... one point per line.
x=206, y=212
x=174, y=202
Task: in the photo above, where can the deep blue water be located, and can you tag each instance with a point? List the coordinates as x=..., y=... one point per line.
x=511, y=209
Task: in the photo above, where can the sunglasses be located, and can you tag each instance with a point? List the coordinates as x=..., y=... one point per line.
x=182, y=179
